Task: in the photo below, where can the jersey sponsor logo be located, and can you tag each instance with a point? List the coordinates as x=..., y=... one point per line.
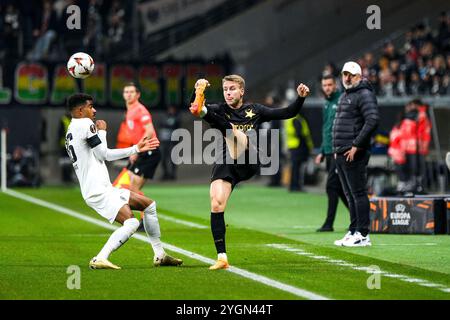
x=244, y=127
x=249, y=113
x=93, y=128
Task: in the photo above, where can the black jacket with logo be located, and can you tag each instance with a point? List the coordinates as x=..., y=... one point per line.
x=356, y=118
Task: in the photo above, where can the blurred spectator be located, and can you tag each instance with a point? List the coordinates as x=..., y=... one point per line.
x=64, y=159
x=10, y=28
x=396, y=151
x=400, y=87
x=93, y=38
x=330, y=68
x=45, y=31
x=171, y=123
x=410, y=140
x=22, y=168
x=115, y=27
x=272, y=100
x=300, y=145
x=421, y=66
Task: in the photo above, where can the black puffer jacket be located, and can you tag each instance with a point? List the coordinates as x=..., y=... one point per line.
x=356, y=118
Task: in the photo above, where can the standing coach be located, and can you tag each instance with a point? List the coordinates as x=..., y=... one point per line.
x=333, y=186
x=356, y=119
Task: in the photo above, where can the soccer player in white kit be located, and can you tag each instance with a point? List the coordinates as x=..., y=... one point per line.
x=87, y=148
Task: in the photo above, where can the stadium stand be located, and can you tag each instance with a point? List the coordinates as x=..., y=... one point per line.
x=419, y=65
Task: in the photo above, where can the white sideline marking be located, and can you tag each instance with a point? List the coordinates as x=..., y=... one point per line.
x=420, y=282
x=407, y=244
x=186, y=223
x=241, y=272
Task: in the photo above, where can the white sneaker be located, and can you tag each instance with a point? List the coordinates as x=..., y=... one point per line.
x=357, y=241
x=347, y=236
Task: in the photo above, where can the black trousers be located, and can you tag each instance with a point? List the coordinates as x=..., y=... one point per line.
x=353, y=176
x=298, y=162
x=413, y=172
x=169, y=168
x=334, y=190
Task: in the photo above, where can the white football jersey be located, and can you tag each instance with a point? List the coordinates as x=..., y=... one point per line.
x=81, y=138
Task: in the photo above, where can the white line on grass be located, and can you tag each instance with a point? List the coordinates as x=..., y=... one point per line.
x=241, y=272
x=407, y=244
x=420, y=282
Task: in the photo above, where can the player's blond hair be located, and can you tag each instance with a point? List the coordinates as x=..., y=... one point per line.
x=235, y=78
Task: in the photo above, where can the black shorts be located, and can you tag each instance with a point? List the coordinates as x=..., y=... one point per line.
x=146, y=164
x=234, y=173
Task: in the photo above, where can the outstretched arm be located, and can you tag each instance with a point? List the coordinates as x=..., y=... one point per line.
x=102, y=153
x=290, y=111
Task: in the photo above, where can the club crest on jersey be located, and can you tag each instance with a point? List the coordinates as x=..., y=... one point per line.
x=93, y=128
x=249, y=113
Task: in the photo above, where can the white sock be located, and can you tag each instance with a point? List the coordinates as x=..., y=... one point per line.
x=151, y=225
x=119, y=237
x=222, y=256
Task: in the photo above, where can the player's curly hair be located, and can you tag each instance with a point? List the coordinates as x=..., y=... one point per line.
x=78, y=99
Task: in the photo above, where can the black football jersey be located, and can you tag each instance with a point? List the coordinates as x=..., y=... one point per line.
x=248, y=117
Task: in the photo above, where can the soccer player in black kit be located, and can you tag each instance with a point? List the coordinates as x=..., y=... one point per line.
x=235, y=117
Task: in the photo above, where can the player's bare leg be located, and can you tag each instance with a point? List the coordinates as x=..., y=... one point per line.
x=136, y=182
x=220, y=192
x=121, y=235
x=151, y=225
x=236, y=142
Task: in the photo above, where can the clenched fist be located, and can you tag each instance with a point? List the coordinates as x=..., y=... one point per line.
x=101, y=124
x=202, y=83
x=303, y=90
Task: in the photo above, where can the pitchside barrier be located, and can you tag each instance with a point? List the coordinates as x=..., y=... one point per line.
x=429, y=214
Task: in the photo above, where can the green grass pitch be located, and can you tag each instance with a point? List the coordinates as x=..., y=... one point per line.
x=270, y=233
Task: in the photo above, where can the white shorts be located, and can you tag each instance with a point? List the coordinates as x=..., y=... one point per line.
x=108, y=204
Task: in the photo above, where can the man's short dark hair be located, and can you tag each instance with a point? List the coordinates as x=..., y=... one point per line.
x=328, y=77
x=132, y=84
x=417, y=102
x=78, y=99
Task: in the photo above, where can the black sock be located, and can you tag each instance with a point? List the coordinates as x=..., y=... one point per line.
x=218, y=230
x=364, y=233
